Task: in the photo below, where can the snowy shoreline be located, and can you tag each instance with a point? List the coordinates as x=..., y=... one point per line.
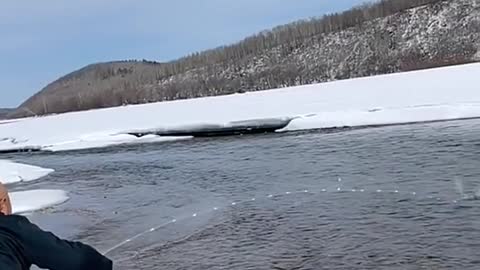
x=440, y=94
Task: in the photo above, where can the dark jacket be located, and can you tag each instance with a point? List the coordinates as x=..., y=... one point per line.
x=23, y=244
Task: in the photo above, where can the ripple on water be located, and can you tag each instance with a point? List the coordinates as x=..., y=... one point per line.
x=418, y=227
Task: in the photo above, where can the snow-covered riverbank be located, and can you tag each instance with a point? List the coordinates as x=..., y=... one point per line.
x=428, y=95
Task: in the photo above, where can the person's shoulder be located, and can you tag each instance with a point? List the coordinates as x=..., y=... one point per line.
x=17, y=225
x=15, y=217
x=18, y=219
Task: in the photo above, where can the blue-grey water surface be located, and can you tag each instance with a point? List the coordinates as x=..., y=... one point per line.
x=409, y=215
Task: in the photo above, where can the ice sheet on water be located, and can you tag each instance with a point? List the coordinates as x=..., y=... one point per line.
x=11, y=172
x=33, y=200
x=384, y=117
x=193, y=129
x=99, y=141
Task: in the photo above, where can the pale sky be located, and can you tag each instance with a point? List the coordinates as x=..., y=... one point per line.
x=43, y=40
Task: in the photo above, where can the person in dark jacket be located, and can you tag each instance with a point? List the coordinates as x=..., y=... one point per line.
x=23, y=244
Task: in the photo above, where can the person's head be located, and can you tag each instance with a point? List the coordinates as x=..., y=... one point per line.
x=5, y=204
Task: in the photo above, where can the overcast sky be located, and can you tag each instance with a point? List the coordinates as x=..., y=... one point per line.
x=43, y=40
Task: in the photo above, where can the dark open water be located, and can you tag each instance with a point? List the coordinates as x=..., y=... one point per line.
x=405, y=218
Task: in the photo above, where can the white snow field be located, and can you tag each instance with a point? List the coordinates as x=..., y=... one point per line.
x=11, y=172
x=34, y=200
x=429, y=95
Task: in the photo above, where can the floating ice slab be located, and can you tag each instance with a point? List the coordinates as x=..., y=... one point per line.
x=34, y=200
x=99, y=141
x=436, y=94
x=11, y=172
x=208, y=130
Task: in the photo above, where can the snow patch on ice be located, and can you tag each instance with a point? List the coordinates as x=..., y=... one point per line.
x=34, y=200
x=11, y=172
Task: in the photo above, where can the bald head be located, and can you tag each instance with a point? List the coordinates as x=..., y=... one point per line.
x=5, y=204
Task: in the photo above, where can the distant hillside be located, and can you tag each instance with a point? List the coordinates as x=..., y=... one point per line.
x=4, y=112
x=389, y=36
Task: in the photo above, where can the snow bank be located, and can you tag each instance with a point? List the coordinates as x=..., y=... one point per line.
x=435, y=94
x=11, y=172
x=33, y=200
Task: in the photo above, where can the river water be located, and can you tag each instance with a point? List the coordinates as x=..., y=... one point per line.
x=381, y=198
